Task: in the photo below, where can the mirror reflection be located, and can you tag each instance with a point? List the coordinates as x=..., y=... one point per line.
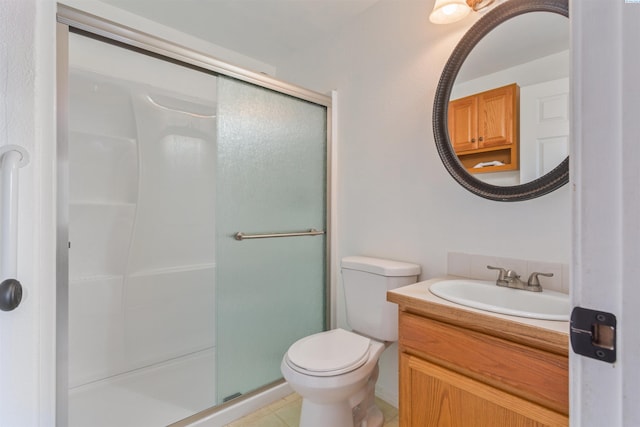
x=508, y=116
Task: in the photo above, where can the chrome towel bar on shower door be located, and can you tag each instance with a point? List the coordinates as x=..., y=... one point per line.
x=311, y=232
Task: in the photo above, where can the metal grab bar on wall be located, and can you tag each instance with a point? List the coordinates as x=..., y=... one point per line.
x=12, y=158
x=311, y=232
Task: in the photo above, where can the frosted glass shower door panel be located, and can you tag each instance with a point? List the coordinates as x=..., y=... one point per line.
x=271, y=179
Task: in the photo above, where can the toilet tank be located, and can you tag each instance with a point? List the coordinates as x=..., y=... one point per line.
x=366, y=281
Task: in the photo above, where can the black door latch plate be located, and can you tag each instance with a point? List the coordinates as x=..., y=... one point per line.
x=593, y=334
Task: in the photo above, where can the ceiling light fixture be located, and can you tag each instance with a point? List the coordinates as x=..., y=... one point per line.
x=449, y=11
x=477, y=5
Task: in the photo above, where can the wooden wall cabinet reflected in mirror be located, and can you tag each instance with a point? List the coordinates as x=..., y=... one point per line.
x=484, y=129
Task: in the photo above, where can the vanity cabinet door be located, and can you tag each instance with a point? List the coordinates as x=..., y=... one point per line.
x=432, y=396
x=532, y=374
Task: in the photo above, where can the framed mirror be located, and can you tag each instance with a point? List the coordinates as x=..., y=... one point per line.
x=512, y=64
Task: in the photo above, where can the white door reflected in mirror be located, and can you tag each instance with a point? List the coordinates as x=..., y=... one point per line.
x=544, y=127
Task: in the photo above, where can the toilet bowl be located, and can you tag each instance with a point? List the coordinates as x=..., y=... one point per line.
x=337, y=383
x=336, y=371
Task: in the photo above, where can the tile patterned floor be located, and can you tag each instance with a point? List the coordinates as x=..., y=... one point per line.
x=286, y=413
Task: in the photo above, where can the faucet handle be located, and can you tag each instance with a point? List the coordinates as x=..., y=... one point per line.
x=511, y=274
x=533, y=278
x=502, y=272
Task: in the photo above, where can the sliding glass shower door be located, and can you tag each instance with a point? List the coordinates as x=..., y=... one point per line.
x=169, y=313
x=271, y=180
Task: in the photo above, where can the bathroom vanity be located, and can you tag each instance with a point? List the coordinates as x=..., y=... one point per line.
x=465, y=367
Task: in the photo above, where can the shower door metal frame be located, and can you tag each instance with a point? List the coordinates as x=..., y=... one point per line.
x=92, y=24
x=74, y=20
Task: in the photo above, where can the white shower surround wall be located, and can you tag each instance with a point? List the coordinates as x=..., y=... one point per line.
x=142, y=233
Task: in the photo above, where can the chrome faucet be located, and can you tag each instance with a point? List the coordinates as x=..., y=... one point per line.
x=511, y=279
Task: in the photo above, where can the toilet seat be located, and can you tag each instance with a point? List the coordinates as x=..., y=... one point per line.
x=334, y=352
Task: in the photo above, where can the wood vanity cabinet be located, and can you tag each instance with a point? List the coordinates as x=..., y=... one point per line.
x=484, y=127
x=451, y=376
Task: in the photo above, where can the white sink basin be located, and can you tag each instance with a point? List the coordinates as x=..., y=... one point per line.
x=485, y=295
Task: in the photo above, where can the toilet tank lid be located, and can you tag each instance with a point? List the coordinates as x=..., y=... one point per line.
x=382, y=267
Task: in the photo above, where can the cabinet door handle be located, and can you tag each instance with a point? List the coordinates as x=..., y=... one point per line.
x=473, y=140
x=481, y=139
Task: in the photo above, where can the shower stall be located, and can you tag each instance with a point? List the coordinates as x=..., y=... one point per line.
x=197, y=209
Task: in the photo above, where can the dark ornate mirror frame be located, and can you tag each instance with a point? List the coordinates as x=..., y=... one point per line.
x=536, y=188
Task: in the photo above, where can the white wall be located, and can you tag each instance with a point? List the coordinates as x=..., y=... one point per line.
x=606, y=237
x=541, y=70
x=27, y=118
x=395, y=197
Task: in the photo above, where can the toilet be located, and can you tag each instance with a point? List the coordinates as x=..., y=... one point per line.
x=335, y=371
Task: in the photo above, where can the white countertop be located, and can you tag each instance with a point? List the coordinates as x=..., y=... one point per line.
x=420, y=292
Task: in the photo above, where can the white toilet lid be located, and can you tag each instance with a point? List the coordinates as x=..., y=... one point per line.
x=336, y=351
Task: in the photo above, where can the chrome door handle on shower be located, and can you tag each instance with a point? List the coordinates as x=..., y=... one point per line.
x=311, y=232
